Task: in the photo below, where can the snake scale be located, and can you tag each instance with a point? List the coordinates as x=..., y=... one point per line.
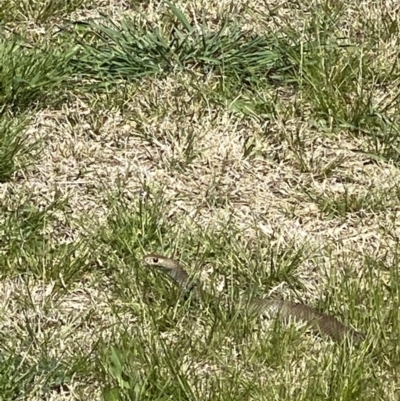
x=285, y=310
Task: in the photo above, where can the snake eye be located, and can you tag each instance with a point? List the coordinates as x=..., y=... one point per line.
x=155, y=260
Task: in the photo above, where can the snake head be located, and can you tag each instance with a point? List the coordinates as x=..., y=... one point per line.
x=172, y=267
x=153, y=260
x=161, y=261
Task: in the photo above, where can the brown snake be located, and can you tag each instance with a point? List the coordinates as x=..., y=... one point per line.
x=285, y=310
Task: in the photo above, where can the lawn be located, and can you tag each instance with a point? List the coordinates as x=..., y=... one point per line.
x=258, y=142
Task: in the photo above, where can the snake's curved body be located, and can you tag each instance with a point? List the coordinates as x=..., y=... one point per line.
x=285, y=310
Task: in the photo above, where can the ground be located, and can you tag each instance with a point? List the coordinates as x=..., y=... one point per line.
x=257, y=142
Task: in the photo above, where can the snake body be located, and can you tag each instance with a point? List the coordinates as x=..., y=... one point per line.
x=285, y=310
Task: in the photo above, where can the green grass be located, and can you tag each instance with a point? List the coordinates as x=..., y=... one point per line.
x=344, y=202
x=31, y=74
x=14, y=146
x=130, y=50
x=39, y=11
x=261, y=148
x=176, y=343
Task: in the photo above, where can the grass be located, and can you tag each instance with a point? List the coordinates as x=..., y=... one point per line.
x=258, y=146
x=38, y=11
x=14, y=146
x=31, y=75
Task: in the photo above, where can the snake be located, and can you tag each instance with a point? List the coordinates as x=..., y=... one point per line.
x=285, y=310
